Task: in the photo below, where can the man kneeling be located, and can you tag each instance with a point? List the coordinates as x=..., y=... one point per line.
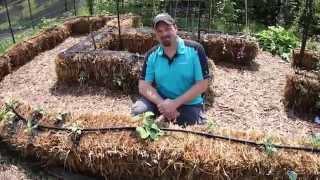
x=174, y=76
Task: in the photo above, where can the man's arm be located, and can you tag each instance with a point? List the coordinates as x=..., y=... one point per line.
x=148, y=91
x=199, y=88
x=147, y=77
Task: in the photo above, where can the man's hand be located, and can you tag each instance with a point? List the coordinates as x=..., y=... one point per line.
x=168, y=108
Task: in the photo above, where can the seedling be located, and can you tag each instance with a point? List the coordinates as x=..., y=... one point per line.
x=292, y=175
x=32, y=122
x=76, y=132
x=315, y=140
x=269, y=147
x=6, y=113
x=211, y=125
x=149, y=128
x=60, y=118
x=83, y=77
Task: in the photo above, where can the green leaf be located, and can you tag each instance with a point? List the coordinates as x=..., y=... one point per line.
x=155, y=127
x=142, y=132
x=292, y=175
x=148, y=114
x=137, y=118
x=154, y=136
x=269, y=147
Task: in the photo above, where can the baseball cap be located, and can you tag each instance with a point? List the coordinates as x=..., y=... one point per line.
x=163, y=17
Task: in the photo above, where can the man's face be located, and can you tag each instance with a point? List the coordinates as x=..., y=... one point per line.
x=165, y=33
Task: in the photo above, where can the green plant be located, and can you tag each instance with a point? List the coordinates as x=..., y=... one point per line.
x=211, y=125
x=292, y=175
x=75, y=128
x=269, y=147
x=6, y=114
x=75, y=132
x=83, y=77
x=32, y=121
x=315, y=140
x=278, y=40
x=149, y=128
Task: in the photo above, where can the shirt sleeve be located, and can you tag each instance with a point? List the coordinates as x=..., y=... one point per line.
x=201, y=65
x=147, y=72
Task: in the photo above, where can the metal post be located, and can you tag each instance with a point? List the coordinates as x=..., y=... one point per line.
x=210, y=16
x=308, y=13
x=75, y=7
x=66, y=5
x=119, y=26
x=246, y=7
x=187, y=15
x=199, y=19
x=175, y=9
x=91, y=34
x=30, y=12
x=9, y=21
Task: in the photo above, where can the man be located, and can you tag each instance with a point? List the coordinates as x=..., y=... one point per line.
x=174, y=76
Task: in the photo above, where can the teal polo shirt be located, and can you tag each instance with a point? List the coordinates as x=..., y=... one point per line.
x=173, y=77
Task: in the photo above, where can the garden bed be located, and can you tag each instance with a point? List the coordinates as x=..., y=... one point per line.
x=245, y=99
x=25, y=51
x=177, y=155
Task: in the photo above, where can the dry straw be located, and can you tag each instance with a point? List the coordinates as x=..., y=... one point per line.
x=122, y=155
x=310, y=61
x=25, y=51
x=302, y=91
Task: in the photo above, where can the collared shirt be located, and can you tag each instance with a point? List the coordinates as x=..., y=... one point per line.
x=173, y=77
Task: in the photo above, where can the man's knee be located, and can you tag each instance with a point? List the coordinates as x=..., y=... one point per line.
x=190, y=115
x=141, y=106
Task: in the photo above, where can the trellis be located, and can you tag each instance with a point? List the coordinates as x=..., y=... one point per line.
x=194, y=14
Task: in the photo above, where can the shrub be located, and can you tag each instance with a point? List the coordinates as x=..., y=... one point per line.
x=278, y=40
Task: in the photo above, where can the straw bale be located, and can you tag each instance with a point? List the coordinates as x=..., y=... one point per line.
x=134, y=40
x=25, y=51
x=112, y=69
x=122, y=155
x=310, y=61
x=4, y=67
x=126, y=21
x=81, y=25
x=210, y=94
x=229, y=48
x=302, y=92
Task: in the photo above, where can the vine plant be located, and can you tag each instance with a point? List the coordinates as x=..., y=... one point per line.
x=149, y=129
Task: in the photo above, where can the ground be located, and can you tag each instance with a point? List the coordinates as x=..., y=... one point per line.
x=247, y=98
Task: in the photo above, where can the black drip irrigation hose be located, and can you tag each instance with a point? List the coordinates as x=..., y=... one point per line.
x=203, y=134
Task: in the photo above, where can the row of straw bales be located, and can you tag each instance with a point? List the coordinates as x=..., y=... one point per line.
x=220, y=48
x=24, y=51
x=115, y=70
x=302, y=90
x=122, y=155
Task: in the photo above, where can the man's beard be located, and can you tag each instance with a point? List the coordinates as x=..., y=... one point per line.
x=166, y=41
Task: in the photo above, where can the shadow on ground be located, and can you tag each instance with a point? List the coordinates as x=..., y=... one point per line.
x=61, y=89
x=253, y=66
